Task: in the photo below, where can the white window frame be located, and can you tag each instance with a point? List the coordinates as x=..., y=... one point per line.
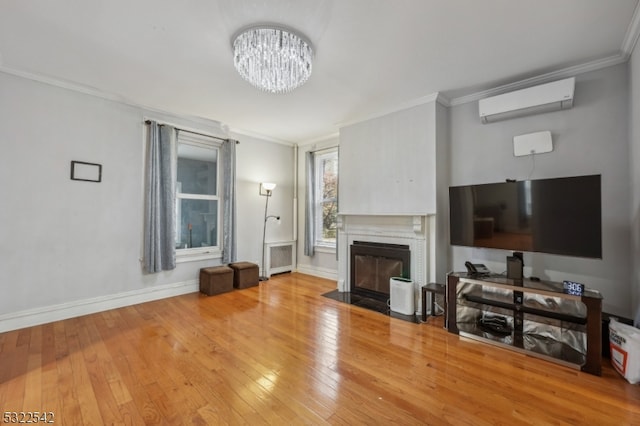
x=320, y=243
x=211, y=252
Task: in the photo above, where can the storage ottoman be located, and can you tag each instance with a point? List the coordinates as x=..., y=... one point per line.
x=215, y=280
x=245, y=274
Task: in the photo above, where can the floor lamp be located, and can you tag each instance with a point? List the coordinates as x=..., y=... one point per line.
x=266, y=189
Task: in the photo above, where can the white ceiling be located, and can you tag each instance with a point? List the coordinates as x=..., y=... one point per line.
x=371, y=56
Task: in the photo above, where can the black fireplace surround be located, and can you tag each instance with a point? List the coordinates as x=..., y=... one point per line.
x=373, y=264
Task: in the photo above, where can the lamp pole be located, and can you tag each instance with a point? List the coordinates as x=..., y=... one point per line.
x=264, y=277
x=268, y=192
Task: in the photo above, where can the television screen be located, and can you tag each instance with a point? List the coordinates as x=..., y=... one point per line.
x=558, y=216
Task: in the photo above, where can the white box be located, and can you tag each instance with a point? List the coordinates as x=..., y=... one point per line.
x=532, y=143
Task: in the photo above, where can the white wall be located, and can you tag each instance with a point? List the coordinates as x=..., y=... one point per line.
x=387, y=164
x=634, y=199
x=262, y=161
x=590, y=138
x=70, y=247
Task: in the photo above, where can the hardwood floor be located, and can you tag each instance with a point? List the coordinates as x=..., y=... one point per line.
x=281, y=353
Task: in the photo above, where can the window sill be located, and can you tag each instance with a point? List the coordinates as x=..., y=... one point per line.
x=197, y=254
x=325, y=249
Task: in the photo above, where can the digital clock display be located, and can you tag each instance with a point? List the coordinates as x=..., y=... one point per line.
x=573, y=288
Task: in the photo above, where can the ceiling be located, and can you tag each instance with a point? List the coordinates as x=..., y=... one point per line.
x=371, y=56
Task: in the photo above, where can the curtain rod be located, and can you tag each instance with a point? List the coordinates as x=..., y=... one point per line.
x=195, y=133
x=328, y=148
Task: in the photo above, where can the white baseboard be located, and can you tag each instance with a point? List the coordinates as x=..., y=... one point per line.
x=32, y=317
x=330, y=274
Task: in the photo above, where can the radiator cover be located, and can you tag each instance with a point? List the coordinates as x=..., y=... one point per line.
x=280, y=257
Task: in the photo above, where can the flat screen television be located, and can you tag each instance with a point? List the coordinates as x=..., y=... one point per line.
x=558, y=216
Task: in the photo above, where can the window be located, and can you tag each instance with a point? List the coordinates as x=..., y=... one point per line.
x=198, y=204
x=326, y=168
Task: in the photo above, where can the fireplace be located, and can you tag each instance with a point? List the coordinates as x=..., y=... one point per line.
x=373, y=264
x=412, y=231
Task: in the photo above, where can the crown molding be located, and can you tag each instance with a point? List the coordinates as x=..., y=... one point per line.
x=260, y=136
x=443, y=100
x=543, y=78
x=433, y=97
x=148, y=111
x=628, y=45
x=633, y=31
x=335, y=135
x=65, y=84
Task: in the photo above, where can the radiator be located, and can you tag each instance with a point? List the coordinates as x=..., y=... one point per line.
x=280, y=257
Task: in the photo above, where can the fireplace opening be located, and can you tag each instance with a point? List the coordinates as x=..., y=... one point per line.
x=373, y=264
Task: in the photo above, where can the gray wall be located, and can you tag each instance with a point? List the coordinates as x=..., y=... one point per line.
x=67, y=245
x=634, y=199
x=440, y=251
x=590, y=138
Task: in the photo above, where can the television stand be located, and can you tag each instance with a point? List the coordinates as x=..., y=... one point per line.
x=541, y=320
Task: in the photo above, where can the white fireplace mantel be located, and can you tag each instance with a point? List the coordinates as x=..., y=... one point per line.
x=410, y=230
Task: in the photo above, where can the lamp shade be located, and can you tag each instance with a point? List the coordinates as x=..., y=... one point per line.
x=266, y=188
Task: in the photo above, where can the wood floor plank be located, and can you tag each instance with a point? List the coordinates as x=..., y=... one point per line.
x=33, y=384
x=67, y=396
x=14, y=385
x=281, y=353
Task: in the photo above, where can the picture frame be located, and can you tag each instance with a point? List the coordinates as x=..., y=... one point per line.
x=87, y=172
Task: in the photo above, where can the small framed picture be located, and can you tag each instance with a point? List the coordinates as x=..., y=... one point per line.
x=88, y=172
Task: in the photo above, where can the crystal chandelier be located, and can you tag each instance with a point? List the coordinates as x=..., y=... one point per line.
x=272, y=59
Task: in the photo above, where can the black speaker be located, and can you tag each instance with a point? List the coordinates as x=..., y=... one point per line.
x=514, y=268
x=519, y=255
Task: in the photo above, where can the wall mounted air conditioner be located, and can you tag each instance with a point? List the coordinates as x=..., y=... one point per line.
x=547, y=97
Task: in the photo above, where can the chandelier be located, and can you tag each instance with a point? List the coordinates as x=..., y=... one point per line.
x=272, y=59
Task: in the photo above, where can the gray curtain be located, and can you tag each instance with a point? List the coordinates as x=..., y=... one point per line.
x=160, y=214
x=310, y=210
x=229, y=201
